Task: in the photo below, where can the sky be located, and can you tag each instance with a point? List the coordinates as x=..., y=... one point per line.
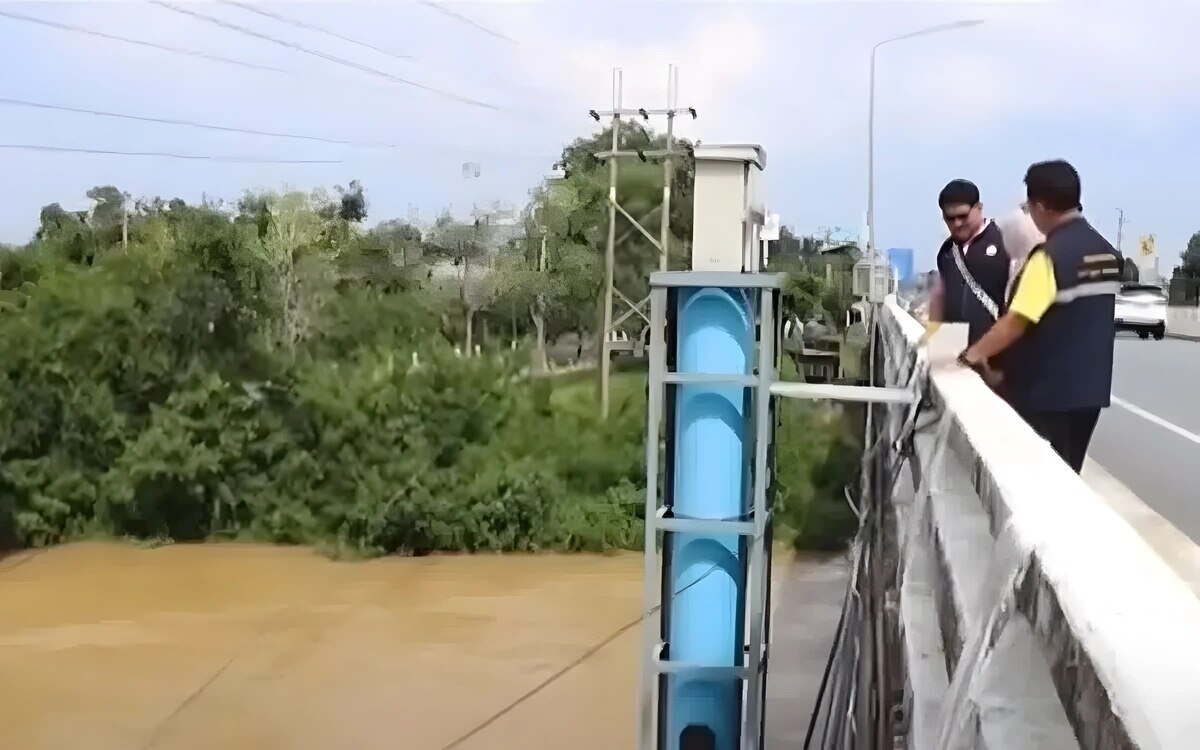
x=1110, y=85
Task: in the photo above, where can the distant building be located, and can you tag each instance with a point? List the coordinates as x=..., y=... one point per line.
x=836, y=265
x=901, y=260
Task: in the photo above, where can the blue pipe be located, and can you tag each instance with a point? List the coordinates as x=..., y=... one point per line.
x=707, y=573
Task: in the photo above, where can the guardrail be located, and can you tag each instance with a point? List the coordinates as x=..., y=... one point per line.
x=1183, y=321
x=1030, y=614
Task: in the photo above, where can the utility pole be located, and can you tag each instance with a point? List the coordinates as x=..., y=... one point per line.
x=668, y=168
x=125, y=222
x=609, y=247
x=1120, y=228
x=661, y=243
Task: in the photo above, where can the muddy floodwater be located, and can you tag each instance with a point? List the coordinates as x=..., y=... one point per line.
x=114, y=647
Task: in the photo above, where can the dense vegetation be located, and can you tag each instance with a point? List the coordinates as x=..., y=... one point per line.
x=273, y=370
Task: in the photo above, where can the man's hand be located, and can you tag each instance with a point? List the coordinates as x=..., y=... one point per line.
x=992, y=377
x=989, y=375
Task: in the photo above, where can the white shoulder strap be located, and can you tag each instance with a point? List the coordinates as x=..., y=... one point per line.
x=988, y=303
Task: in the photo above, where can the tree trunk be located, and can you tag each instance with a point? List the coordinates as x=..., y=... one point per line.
x=539, y=325
x=470, y=331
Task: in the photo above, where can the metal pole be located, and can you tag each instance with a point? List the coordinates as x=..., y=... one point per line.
x=871, y=184
x=871, y=132
x=648, y=687
x=871, y=330
x=1120, y=227
x=610, y=247
x=871, y=181
x=668, y=173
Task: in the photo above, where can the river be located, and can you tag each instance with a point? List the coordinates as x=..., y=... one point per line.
x=182, y=647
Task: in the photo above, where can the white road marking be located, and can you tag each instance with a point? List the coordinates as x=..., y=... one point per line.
x=1187, y=435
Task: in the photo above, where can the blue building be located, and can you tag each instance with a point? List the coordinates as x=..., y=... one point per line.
x=901, y=259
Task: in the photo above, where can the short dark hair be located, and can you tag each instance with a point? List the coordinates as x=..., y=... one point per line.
x=957, y=193
x=1054, y=184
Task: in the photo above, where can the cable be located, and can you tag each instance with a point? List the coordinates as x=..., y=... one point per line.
x=841, y=634
x=575, y=663
x=837, y=637
x=185, y=123
x=324, y=56
x=139, y=42
x=309, y=27
x=440, y=148
x=163, y=154
x=868, y=518
x=463, y=19
x=916, y=372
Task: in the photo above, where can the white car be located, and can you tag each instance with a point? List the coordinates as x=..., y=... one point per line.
x=1142, y=308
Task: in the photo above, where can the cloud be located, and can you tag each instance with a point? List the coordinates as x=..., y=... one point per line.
x=1125, y=62
x=1107, y=80
x=576, y=63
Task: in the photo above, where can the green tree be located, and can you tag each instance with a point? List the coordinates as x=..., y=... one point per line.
x=386, y=257
x=273, y=370
x=460, y=250
x=1190, y=267
x=352, y=205
x=108, y=207
x=291, y=266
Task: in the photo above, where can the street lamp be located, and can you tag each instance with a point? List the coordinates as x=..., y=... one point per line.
x=871, y=137
x=871, y=296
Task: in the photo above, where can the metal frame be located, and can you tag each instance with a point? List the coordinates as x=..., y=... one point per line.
x=654, y=657
x=763, y=387
x=662, y=243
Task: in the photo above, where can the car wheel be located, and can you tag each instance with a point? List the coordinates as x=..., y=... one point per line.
x=1143, y=335
x=1159, y=334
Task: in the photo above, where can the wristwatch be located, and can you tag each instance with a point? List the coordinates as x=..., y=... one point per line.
x=962, y=360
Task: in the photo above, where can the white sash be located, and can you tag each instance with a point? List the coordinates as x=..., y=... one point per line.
x=988, y=303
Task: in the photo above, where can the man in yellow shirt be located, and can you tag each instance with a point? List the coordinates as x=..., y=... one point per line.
x=1054, y=345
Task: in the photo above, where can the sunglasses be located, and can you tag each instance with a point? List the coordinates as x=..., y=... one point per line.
x=957, y=218
x=1025, y=207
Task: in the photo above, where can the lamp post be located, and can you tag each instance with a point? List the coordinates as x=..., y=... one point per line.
x=871, y=138
x=871, y=297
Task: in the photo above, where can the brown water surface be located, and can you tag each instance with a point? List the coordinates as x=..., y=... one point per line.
x=112, y=647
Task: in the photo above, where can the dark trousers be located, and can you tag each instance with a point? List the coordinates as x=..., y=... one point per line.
x=1068, y=432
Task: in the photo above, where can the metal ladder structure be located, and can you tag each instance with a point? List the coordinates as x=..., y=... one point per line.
x=714, y=354
x=736, y=582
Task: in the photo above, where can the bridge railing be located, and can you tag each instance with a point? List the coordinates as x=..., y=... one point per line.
x=1183, y=320
x=1026, y=613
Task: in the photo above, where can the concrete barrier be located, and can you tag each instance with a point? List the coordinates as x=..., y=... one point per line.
x=1032, y=615
x=1183, y=322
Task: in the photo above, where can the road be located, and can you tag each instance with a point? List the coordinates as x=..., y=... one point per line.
x=1150, y=438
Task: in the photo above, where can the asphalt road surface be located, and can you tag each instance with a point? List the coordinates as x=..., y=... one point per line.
x=1150, y=438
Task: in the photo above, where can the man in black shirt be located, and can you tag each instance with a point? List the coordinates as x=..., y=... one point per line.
x=972, y=264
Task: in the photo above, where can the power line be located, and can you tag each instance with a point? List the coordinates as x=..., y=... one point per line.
x=162, y=154
x=185, y=123
x=331, y=58
x=139, y=42
x=309, y=27
x=463, y=19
